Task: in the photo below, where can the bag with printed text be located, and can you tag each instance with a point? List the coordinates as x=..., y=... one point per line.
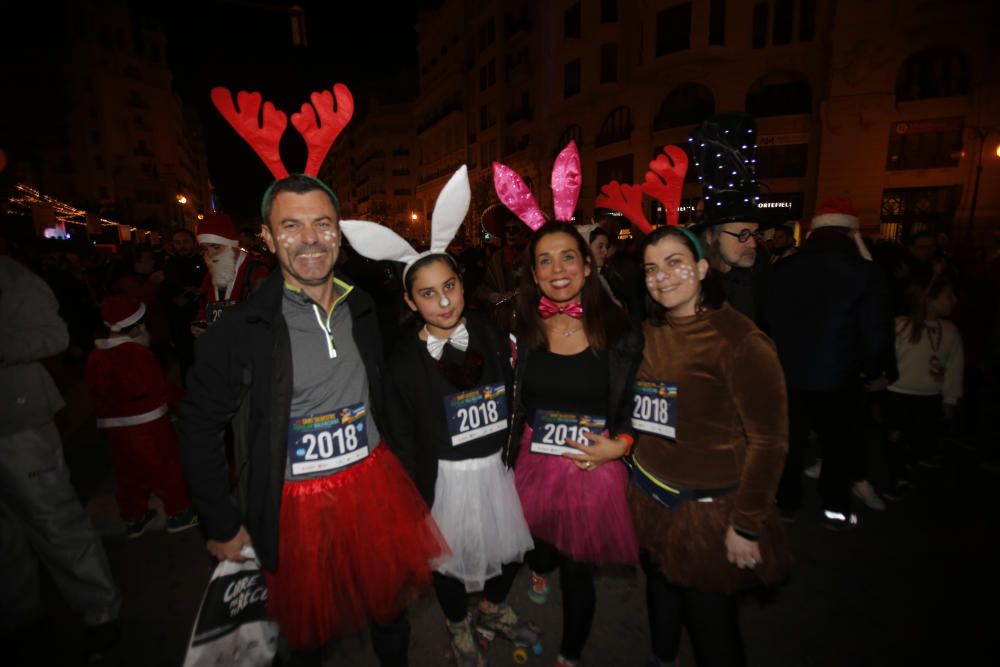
x=232, y=626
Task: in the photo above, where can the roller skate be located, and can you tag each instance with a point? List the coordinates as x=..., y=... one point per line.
x=502, y=620
x=463, y=650
x=539, y=591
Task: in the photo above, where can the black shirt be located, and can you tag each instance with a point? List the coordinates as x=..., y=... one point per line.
x=575, y=383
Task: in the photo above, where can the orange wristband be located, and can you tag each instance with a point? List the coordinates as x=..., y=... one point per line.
x=629, y=442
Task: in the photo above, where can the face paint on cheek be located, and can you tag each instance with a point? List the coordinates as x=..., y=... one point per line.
x=685, y=273
x=329, y=237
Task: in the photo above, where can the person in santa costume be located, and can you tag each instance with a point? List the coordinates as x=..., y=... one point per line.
x=131, y=394
x=828, y=314
x=342, y=534
x=232, y=272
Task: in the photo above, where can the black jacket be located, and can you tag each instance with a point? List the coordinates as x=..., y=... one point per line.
x=415, y=417
x=827, y=311
x=243, y=375
x=623, y=357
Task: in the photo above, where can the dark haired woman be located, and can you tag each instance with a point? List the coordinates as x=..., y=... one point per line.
x=708, y=406
x=574, y=356
x=613, y=281
x=931, y=365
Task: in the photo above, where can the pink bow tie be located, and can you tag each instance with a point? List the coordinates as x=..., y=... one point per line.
x=547, y=308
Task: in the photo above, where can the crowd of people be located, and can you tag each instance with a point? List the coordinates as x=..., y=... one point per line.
x=370, y=421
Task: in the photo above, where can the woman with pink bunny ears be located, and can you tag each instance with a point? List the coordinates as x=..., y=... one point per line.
x=448, y=385
x=575, y=355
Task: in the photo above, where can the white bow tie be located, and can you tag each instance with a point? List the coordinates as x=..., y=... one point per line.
x=459, y=339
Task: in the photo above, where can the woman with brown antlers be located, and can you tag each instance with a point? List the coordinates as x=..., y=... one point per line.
x=708, y=413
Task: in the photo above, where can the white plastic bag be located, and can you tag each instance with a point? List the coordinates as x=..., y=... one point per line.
x=232, y=627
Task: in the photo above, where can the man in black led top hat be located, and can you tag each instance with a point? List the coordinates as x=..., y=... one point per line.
x=724, y=150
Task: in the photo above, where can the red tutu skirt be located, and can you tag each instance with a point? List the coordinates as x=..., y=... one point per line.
x=354, y=548
x=584, y=514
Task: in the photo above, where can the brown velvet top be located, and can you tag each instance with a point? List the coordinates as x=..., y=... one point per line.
x=732, y=412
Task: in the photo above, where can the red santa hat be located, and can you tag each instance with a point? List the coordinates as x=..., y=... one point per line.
x=121, y=312
x=840, y=212
x=218, y=228
x=836, y=212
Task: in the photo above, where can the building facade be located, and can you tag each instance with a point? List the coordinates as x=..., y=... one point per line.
x=893, y=104
x=126, y=146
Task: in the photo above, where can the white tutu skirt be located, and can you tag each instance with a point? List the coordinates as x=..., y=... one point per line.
x=478, y=511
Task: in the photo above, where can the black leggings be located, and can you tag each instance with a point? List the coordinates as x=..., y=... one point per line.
x=711, y=620
x=579, y=599
x=452, y=597
x=390, y=642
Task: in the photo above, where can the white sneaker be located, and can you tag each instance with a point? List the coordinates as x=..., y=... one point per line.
x=812, y=472
x=865, y=493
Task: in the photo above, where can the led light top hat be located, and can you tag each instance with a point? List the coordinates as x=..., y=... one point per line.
x=319, y=122
x=724, y=149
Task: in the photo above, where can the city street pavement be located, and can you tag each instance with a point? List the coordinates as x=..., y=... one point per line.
x=915, y=585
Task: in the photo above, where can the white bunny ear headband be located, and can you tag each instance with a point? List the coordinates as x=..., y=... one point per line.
x=375, y=241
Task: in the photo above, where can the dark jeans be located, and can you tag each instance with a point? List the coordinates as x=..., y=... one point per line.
x=452, y=597
x=711, y=619
x=579, y=599
x=390, y=642
x=914, y=425
x=835, y=416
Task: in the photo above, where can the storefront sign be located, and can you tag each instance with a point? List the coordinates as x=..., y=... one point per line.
x=785, y=139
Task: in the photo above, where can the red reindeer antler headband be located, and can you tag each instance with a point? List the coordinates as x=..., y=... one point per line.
x=264, y=136
x=663, y=181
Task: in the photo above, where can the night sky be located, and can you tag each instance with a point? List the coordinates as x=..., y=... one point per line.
x=241, y=44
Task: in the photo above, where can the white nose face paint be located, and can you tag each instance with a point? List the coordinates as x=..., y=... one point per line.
x=444, y=302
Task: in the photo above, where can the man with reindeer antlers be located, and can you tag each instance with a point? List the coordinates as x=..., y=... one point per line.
x=343, y=536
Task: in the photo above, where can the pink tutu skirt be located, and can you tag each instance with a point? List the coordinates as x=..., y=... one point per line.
x=583, y=514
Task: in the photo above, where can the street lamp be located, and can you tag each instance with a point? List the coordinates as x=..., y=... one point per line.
x=982, y=133
x=413, y=217
x=181, y=199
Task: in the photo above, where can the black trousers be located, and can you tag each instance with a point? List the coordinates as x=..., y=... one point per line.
x=711, y=619
x=835, y=416
x=452, y=597
x=913, y=425
x=579, y=597
x=390, y=642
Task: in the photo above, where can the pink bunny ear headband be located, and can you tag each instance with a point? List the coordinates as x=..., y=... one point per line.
x=375, y=241
x=566, y=182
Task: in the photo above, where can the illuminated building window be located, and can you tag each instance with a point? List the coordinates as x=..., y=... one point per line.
x=617, y=126
x=673, y=29
x=937, y=72
x=609, y=63
x=779, y=94
x=686, y=104
x=925, y=144
x=914, y=210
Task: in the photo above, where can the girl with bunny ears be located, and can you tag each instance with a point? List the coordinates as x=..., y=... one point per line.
x=574, y=356
x=448, y=383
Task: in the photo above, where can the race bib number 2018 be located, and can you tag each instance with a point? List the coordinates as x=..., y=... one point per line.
x=476, y=413
x=327, y=442
x=551, y=429
x=654, y=408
